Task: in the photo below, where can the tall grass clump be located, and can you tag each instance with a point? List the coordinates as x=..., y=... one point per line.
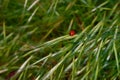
x=35, y=43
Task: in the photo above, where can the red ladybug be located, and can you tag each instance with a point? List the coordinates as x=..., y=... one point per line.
x=72, y=33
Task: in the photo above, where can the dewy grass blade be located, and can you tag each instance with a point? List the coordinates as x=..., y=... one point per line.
x=116, y=57
x=95, y=29
x=23, y=66
x=115, y=49
x=114, y=22
x=96, y=72
x=116, y=31
x=94, y=20
x=51, y=7
x=38, y=77
x=81, y=34
x=70, y=5
x=78, y=47
x=6, y=38
x=56, y=2
x=61, y=71
x=47, y=75
x=73, y=69
x=50, y=55
x=38, y=61
x=108, y=48
x=85, y=75
x=59, y=39
x=23, y=12
x=13, y=43
x=98, y=60
x=70, y=25
x=3, y=70
x=99, y=49
x=77, y=60
x=31, y=32
x=104, y=3
x=33, y=4
x=25, y=4
x=114, y=8
x=70, y=65
x=50, y=43
x=81, y=70
x=30, y=18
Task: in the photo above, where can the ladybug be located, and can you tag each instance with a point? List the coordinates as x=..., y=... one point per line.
x=72, y=33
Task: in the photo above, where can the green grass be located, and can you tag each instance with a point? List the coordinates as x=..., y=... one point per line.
x=35, y=43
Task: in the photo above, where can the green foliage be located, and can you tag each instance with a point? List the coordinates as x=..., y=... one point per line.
x=35, y=43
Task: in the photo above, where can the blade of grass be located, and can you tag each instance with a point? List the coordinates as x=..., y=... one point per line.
x=114, y=8
x=33, y=4
x=73, y=69
x=46, y=76
x=4, y=30
x=50, y=43
x=104, y=3
x=115, y=50
x=22, y=67
x=30, y=18
x=60, y=74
